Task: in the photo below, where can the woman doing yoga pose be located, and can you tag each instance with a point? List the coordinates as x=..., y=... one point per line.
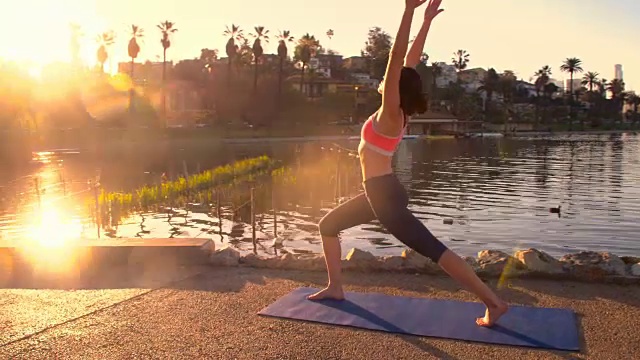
x=384, y=197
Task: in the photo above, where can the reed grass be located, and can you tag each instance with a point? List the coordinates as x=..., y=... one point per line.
x=115, y=205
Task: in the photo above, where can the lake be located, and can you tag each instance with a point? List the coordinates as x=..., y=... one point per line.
x=474, y=194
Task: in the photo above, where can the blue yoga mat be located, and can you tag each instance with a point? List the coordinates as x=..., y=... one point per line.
x=522, y=326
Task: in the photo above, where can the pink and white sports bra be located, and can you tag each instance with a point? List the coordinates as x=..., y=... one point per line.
x=382, y=144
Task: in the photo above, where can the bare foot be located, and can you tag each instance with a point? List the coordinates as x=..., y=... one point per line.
x=493, y=313
x=330, y=292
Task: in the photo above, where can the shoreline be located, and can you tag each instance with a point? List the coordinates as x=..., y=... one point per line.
x=587, y=266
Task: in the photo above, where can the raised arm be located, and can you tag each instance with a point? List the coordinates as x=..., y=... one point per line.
x=391, y=88
x=417, y=47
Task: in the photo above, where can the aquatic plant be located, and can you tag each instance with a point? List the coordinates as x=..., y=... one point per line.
x=113, y=206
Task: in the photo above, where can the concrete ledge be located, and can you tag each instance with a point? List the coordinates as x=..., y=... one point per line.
x=24, y=260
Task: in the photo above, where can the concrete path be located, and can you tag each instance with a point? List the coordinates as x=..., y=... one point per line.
x=213, y=316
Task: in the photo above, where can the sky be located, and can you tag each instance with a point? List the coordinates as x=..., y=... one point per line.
x=518, y=35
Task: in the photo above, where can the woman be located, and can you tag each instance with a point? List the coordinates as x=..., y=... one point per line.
x=384, y=196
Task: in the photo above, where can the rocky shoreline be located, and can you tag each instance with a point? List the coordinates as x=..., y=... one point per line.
x=582, y=266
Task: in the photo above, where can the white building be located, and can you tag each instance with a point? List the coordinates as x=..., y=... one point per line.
x=577, y=84
x=618, y=72
x=366, y=80
x=448, y=74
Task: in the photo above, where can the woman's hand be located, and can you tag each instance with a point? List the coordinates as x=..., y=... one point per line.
x=413, y=4
x=433, y=9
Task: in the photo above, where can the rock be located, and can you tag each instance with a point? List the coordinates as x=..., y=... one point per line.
x=415, y=261
x=254, y=260
x=496, y=262
x=630, y=260
x=360, y=255
x=635, y=269
x=592, y=265
x=310, y=263
x=287, y=261
x=359, y=259
x=538, y=261
x=447, y=221
x=471, y=261
x=225, y=257
x=393, y=263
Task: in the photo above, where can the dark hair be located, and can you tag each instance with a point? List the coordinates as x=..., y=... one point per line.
x=412, y=101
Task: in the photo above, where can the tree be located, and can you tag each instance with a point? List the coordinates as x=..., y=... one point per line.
x=235, y=34
x=490, y=84
x=133, y=50
x=74, y=43
x=330, y=34
x=104, y=40
x=260, y=35
x=590, y=80
x=376, y=51
x=603, y=85
x=308, y=46
x=166, y=29
x=542, y=79
x=436, y=71
x=634, y=100
x=284, y=38
x=616, y=88
x=572, y=66
x=460, y=59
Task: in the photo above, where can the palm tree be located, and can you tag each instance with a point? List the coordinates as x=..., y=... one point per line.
x=235, y=34
x=507, y=87
x=166, y=28
x=590, y=80
x=460, y=59
x=634, y=100
x=260, y=35
x=133, y=50
x=616, y=88
x=105, y=40
x=490, y=85
x=603, y=85
x=542, y=79
x=208, y=57
x=330, y=34
x=284, y=38
x=436, y=71
x=307, y=48
x=74, y=46
x=572, y=66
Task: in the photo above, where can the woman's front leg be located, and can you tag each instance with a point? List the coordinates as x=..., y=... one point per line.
x=354, y=212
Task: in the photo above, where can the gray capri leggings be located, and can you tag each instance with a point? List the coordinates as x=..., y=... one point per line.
x=385, y=199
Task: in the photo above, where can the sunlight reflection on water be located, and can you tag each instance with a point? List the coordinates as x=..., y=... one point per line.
x=473, y=194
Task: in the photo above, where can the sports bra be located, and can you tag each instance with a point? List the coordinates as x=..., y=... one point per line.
x=382, y=144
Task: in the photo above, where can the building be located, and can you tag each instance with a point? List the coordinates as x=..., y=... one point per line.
x=526, y=86
x=472, y=79
x=472, y=75
x=148, y=73
x=356, y=63
x=577, y=85
x=618, y=72
x=365, y=80
x=559, y=84
x=448, y=74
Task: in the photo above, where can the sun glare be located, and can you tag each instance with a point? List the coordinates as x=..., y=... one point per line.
x=35, y=72
x=49, y=35
x=53, y=230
